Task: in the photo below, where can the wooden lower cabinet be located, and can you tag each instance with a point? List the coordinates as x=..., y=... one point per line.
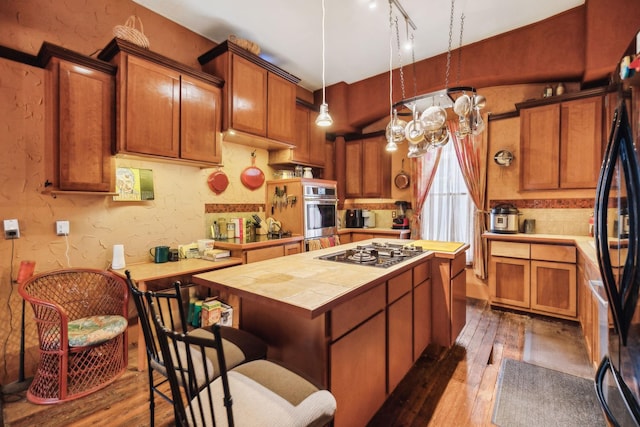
x=265, y=253
x=421, y=308
x=358, y=373
x=262, y=254
x=448, y=293
x=509, y=281
x=421, y=318
x=593, y=311
x=357, y=237
x=292, y=249
x=399, y=327
x=553, y=287
x=534, y=277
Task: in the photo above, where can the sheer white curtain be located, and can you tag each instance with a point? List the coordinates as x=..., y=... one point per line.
x=447, y=213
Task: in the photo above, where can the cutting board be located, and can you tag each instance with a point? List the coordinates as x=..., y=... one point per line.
x=438, y=246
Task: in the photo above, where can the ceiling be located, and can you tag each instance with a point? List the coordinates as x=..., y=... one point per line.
x=358, y=39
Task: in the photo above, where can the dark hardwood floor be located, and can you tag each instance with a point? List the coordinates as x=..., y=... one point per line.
x=456, y=387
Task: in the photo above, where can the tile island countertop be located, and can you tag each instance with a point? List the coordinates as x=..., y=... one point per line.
x=303, y=283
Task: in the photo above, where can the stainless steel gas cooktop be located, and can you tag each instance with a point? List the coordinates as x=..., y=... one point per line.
x=375, y=254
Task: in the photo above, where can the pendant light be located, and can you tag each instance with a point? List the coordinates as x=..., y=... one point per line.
x=323, y=119
x=392, y=127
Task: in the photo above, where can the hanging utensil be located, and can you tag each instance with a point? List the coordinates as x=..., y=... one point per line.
x=414, y=132
x=402, y=179
x=285, y=200
x=218, y=181
x=252, y=177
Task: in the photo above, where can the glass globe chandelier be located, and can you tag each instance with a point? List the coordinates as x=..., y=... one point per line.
x=427, y=128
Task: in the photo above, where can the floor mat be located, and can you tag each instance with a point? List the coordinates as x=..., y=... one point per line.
x=530, y=396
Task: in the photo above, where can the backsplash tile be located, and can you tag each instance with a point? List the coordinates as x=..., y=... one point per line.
x=546, y=203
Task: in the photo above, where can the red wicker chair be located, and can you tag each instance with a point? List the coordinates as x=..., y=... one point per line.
x=81, y=316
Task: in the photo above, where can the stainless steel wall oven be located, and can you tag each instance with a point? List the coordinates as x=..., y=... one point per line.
x=320, y=205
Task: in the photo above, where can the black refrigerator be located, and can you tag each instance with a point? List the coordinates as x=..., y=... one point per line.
x=617, y=237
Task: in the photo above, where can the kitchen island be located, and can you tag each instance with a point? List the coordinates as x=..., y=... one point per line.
x=355, y=329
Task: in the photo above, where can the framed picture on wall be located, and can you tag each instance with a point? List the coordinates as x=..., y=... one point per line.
x=133, y=184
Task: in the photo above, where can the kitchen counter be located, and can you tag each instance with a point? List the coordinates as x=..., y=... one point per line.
x=260, y=241
x=302, y=283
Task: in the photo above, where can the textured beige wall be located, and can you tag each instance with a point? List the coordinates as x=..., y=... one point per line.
x=96, y=222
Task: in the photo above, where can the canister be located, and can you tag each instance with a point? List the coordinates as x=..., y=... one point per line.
x=231, y=230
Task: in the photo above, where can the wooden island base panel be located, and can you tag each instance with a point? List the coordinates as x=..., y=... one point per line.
x=356, y=330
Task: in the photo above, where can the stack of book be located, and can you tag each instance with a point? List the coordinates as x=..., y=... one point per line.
x=214, y=254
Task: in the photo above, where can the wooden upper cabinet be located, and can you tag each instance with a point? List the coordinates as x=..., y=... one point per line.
x=165, y=109
x=248, y=107
x=80, y=120
x=376, y=168
x=201, y=120
x=353, y=172
x=259, y=98
x=151, y=109
x=540, y=147
x=582, y=142
x=301, y=152
x=309, y=140
x=281, y=109
x=368, y=168
x=562, y=143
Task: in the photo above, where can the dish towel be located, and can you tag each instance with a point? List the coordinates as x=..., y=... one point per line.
x=314, y=245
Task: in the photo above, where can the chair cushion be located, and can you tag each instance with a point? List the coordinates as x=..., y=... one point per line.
x=95, y=330
x=279, y=379
x=255, y=405
x=238, y=346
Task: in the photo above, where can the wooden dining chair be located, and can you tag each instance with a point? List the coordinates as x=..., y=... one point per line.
x=240, y=345
x=256, y=393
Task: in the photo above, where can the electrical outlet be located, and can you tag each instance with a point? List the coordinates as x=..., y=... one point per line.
x=62, y=228
x=394, y=214
x=11, y=229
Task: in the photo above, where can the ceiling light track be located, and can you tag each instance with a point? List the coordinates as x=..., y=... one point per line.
x=404, y=13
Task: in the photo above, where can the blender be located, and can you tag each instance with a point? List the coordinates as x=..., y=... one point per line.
x=401, y=222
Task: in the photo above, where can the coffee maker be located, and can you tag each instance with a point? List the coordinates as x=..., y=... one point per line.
x=401, y=222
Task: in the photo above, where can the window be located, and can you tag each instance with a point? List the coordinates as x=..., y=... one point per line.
x=447, y=213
